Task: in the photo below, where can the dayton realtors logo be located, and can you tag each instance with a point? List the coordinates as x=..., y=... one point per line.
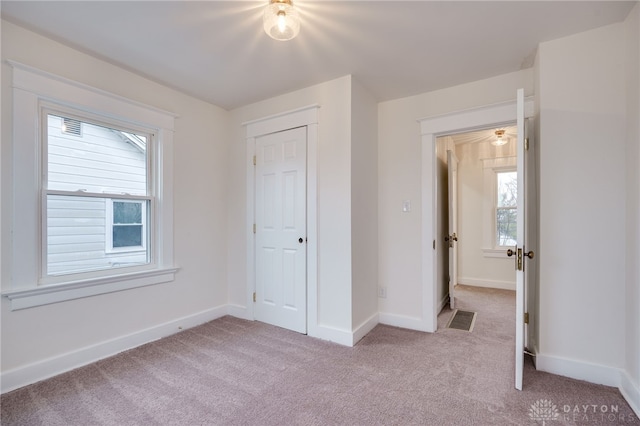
x=544, y=410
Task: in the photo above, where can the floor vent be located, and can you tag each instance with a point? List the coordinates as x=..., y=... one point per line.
x=462, y=320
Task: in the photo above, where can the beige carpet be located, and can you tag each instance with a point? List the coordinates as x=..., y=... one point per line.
x=231, y=371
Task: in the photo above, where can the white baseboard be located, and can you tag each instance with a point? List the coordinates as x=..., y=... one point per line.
x=365, y=328
x=32, y=373
x=336, y=335
x=594, y=373
x=402, y=321
x=631, y=392
x=241, y=312
x=442, y=303
x=479, y=282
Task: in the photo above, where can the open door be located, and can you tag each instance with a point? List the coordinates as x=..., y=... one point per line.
x=520, y=253
x=452, y=170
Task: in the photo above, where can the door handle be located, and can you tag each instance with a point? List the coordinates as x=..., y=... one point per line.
x=300, y=240
x=529, y=254
x=510, y=253
x=450, y=239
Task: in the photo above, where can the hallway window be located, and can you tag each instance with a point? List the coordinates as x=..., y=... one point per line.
x=506, y=208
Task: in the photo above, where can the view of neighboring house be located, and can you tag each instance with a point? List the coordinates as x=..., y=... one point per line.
x=89, y=227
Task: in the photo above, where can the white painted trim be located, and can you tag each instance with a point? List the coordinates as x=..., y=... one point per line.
x=411, y=323
x=473, y=118
x=241, y=312
x=282, y=121
x=581, y=370
x=335, y=335
x=443, y=302
x=75, y=94
x=312, y=227
x=31, y=373
x=34, y=89
x=306, y=116
x=630, y=391
x=364, y=328
x=430, y=129
x=480, y=282
x=46, y=295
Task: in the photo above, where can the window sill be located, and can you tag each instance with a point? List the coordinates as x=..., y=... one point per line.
x=45, y=295
x=500, y=253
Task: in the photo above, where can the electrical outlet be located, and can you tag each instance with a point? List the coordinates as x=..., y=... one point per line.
x=382, y=292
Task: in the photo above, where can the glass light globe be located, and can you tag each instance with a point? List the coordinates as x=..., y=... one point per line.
x=281, y=20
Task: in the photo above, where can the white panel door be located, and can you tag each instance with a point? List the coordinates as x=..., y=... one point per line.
x=281, y=287
x=452, y=170
x=520, y=253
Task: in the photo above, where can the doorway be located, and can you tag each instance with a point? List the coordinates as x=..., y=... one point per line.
x=466, y=121
x=477, y=206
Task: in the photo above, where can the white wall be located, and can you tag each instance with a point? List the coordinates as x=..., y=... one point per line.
x=582, y=199
x=334, y=198
x=39, y=335
x=474, y=268
x=399, y=178
x=632, y=296
x=364, y=207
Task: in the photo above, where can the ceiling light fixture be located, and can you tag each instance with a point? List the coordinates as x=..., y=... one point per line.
x=501, y=139
x=281, y=20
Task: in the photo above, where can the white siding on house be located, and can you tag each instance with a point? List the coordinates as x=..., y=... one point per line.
x=99, y=160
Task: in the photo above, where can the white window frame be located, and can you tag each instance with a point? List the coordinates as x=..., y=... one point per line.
x=109, y=226
x=492, y=167
x=33, y=91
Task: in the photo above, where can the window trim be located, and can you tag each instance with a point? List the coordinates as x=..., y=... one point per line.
x=33, y=89
x=493, y=166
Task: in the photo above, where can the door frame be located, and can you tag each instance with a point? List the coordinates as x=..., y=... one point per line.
x=431, y=128
x=301, y=117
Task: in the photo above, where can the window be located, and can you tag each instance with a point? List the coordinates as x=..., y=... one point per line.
x=506, y=208
x=127, y=227
x=86, y=180
x=500, y=208
x=92, y=199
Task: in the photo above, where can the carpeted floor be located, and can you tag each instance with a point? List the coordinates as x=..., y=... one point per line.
x=237, y=372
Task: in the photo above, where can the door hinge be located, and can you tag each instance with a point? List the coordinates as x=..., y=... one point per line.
x=526, y=144
x=254, y=228
x=526, y=317
x=254, y=160
x=254, y=297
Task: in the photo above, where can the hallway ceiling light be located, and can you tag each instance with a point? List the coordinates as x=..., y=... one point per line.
x=501, y=139
x=281, y=20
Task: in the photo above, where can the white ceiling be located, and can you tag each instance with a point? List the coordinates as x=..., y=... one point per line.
x=218, y=52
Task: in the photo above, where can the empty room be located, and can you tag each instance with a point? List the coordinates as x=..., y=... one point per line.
x=280, y=212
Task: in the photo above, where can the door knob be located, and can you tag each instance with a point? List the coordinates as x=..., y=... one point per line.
x=510, y=253
x=530, y=254
x=300, y=240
